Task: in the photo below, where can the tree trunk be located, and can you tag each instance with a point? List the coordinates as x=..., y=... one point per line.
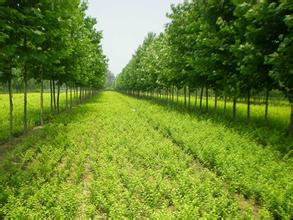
x=248, y=108
x=54, y=96
x=234, y=109
x=195, y=99
x=172, y=93
x=225, y=104
x=74, y=94
x=71, y=97
x=177, y=91
x=80, y=95
x=291, y=123
x=10, y=111
x=58, y=98
x=51, y=96
x=207, y=99
x=267, y=105
x=216, y=100
x=167, y=94
x=188, y=98
x=42, y=99
x=25, y=100
x=200, y=101
x=184, y=96
x=66, y=105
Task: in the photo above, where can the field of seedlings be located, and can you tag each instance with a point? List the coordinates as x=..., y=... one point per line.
x=121, y=157
x=272, y=133
x=197, y=124
x=33, y=110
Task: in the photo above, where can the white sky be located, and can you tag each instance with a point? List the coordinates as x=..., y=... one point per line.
x=125, y=23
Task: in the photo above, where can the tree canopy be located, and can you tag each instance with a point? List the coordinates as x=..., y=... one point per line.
x=234, y=48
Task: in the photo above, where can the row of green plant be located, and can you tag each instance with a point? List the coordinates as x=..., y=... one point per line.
x=270, y=133
x=53, y=41
x=233, y=48
x=33, y=111
x=248, y=168
x=103, y=160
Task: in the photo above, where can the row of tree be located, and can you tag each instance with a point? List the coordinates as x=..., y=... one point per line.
x=53, y=41
x=232, y=48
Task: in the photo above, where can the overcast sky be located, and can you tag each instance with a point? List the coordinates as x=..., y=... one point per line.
x=125, y=23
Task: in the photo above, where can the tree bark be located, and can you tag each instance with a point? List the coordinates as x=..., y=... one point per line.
x=188, y=98
x=74, y=94
x=58, y=98
x=80, y=95
x=184, y=96
x=42, y=99
x=66, y=105
x=10, y=111
x=51, y=96
x=267, y=105
x=195, y=99
x=216, y=100
x=54, y=96
x=248, y=108
x=167, y=94
x=225, y=104
x=200, y=101
x=207, y=99
x=177, y=91
x=291, y=123
x=25, y=100
x=71, y=97
x=234, y=109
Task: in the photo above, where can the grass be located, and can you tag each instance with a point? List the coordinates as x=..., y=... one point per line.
x=273, y=134
x=33, y=116
x=119, y=157
x=249, y=168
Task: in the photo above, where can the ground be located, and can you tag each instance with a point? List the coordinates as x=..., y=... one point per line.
x=120, y=157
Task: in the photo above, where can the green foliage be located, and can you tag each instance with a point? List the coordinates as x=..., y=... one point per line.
x=55, y=36
x=256, y=172
x=33, y=112
x=80, y=167
x=235, y=48
x=49, y=40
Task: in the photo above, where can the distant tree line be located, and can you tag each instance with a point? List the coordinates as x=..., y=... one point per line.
x=230, y=48
x=49, y=41
x=110, y=79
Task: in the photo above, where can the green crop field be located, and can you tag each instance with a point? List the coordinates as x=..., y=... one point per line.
x=120, y=157
x=33, y=112
x=272, y=133
x=278, y=114
x=197, y=124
